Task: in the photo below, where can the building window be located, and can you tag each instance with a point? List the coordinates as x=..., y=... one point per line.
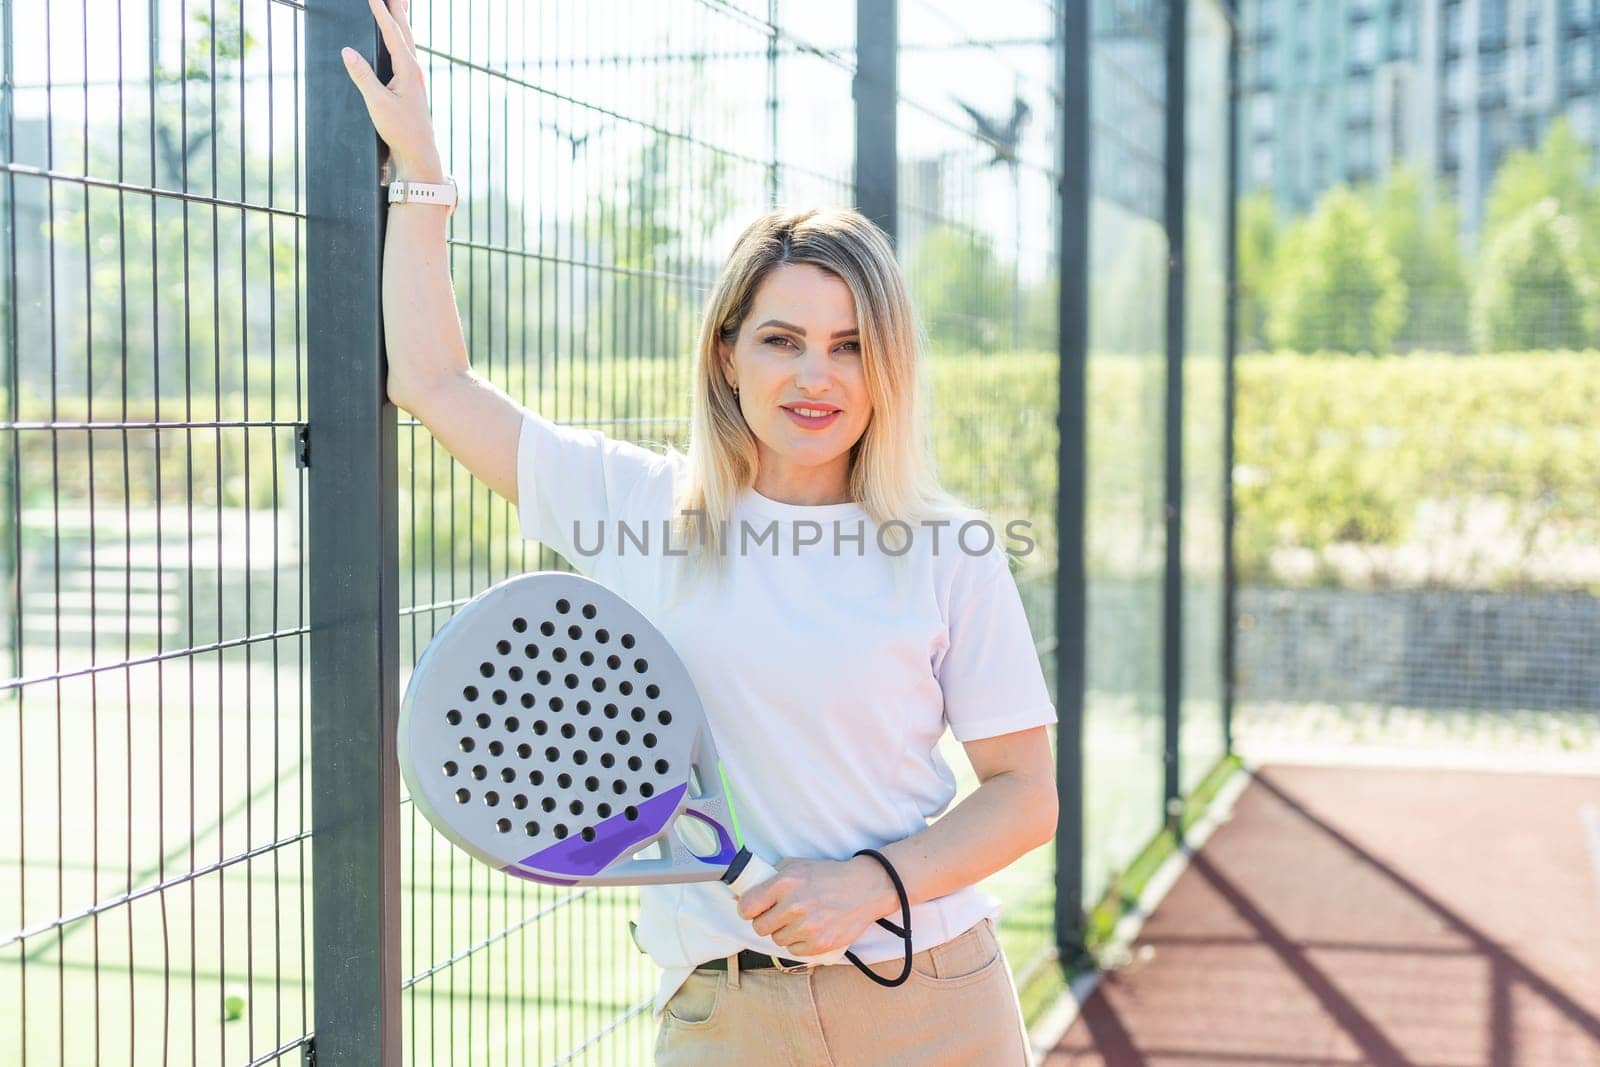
x=1358, y=157
x=1492, y=23
x=1358, y=100
x=1492, y=76
x=1397, y=127
x=1364, y=44
x=1529, y=130
x=1450, y=156
x=1455, y=83
x=1497, y=133
x=1579, y=64
x=1261, y=115
x=1261, y=164
x=1266, y=18
x=1455, y=30
x=1401, y=33
x=1585, y=125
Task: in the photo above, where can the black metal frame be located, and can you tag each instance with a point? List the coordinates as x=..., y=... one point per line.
x=1230, y=344
x=1176, y=114
x=876, y=91
x=354, y=546
x=1071, y=579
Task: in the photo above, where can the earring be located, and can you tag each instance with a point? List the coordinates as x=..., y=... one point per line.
x=736, y=392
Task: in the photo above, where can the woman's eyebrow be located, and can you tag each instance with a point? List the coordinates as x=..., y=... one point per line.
x=791, y=326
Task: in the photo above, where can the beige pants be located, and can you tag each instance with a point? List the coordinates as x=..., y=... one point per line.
x=959, y=1006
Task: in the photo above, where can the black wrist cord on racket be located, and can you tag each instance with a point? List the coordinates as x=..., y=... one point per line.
x=902, y=931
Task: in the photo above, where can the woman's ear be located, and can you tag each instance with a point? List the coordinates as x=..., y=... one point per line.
x=725, y=362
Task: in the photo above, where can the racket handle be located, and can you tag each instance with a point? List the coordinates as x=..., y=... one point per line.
x=752, y=872
x=747, y=871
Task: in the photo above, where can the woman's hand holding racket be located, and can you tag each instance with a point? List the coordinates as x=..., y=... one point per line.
x=814, y=907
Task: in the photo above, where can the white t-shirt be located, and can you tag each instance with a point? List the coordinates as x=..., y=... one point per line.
x=827, y=691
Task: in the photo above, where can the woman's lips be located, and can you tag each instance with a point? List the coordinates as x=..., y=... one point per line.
x=810, y=422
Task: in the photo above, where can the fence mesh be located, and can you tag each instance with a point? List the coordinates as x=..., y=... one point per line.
x=153, y=896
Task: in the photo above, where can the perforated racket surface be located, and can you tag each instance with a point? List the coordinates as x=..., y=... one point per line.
x=550, y=730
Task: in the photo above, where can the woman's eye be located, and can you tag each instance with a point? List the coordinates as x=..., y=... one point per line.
x=853, y=346
x=776, y=337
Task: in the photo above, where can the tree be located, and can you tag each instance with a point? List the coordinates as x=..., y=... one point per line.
x=1257, y=243
x=962, y=290
x=1419, y=230
x=1336, y=286
x=1534, y=290
x=1560, y=169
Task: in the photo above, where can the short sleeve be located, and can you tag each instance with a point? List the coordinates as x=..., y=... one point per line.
x=990, y=673
x=570, y=479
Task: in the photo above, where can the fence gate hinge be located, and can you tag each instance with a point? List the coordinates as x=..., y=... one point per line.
x=302, y=445
x=308, y=1053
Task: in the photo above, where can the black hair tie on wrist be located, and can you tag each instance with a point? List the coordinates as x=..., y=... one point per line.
x=903, y=932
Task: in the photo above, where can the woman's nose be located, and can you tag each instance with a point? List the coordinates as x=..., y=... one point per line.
x=812, y=373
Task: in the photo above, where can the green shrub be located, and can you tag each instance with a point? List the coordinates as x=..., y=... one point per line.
x=1330, y=450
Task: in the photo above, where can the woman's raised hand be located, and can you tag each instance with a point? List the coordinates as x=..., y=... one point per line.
x=399, y=110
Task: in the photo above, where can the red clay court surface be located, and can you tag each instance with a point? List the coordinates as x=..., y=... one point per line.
x=1346, y=916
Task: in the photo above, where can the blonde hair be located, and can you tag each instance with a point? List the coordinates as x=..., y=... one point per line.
x=892, y=470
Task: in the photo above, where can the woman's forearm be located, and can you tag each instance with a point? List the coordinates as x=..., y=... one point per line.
x=1007, y=816
x=421, y=326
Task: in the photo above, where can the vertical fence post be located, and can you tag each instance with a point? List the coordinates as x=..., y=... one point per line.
x=11, y=549
x=772, y=104
x=1072, y=254
x=1230, y=326
x=353, y=560
x=876, y=90
x=1172, y=602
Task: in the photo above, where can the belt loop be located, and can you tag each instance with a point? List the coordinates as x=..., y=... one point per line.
x=733, y=971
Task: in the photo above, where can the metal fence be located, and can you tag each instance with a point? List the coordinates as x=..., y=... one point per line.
x=212, y=516
x=155, y=902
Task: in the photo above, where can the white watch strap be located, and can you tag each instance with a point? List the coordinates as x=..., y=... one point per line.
x=414, y=192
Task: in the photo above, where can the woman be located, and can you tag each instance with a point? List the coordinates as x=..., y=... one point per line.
x=836, y=608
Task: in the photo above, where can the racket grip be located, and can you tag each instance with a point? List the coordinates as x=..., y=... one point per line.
x=752, y=872
x=747, y=871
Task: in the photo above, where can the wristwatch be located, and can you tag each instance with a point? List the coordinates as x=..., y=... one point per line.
x=413, y=192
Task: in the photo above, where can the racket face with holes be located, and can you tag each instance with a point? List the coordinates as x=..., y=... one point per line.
x=550, y=730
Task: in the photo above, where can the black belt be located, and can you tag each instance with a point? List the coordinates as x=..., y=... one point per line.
x=749, y=960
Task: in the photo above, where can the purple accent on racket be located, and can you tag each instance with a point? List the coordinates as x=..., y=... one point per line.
x=613, y=837
x=726, y=849
x=539, y=877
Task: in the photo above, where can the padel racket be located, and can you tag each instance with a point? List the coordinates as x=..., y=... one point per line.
x=551, y=731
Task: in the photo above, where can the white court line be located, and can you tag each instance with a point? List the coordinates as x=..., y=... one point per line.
x=1590, y=814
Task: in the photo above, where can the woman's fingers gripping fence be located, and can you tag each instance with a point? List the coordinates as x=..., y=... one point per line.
x=399, y=110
